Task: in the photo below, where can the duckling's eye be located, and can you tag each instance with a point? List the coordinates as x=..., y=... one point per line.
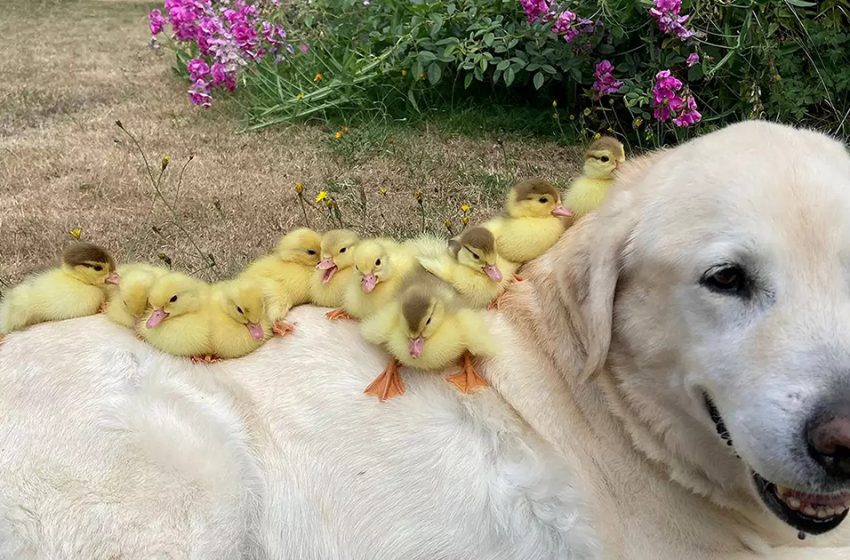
x=378, y=262
x=428, y=322
x=475, y=255
x=97, y=267
x=239, y=309
x=544, y=200
x=311, y=252
x=341, y=251
x=604, y=159
x=173, y=299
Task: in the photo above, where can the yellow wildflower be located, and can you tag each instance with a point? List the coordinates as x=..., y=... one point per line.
x=421, y=76
x=465, y=207
x=448, y=223
x=597, y=136
x=299, y=187
x=418, y=196
x=165, y=161
x=554, y=103
x=637, y=122
x=587, y=112
x=382, y=191
x=338, y=135
x=465, y=220
x=321, y=196
x=76, y=233
x=404, y=71
x=299, y=97
x=318, y=77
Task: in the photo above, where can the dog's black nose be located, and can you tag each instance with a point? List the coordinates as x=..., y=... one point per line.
x=828, y=434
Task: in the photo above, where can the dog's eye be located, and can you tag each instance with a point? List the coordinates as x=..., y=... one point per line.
x=173, y=299
x=543, y=200
x=728, y=279
x=604, y=159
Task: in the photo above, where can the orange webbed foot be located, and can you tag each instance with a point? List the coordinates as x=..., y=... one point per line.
x=338, y=314
x=282, y=328
x=496, y=304
x=205, y=359
x=102, y=307
x=518, y=278
x=388, y=384
x=468, y=379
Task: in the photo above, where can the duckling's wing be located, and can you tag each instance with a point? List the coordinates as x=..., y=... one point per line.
x=378, y=327
x=476, y=334
x=440, y=267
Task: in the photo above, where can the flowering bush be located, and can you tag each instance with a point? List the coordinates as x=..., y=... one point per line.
x=651, y=71
x=220, y=38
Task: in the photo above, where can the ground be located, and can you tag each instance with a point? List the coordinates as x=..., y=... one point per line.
x=72, y=68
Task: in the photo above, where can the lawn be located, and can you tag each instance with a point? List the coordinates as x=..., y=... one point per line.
x=71, y=69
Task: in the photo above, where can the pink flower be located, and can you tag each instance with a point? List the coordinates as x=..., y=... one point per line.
x=605, y=83
x=666, y=14
x=221, y=77
x=693, y=59
x=156, y=22
x=304, y=48
x=534, y=9
x=669, y=104
x=198, y=69
x=199, y=94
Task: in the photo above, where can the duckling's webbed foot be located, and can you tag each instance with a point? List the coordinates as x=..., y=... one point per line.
x=282, y=328
x=497, y=303
x=205, y=359
x=337, y=314
x=468, y=379
x=388, y=384
x=102, y=307
x=518, y=278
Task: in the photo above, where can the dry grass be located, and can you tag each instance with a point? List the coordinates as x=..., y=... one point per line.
x=64, y=164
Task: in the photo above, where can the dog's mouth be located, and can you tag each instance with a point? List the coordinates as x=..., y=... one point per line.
x=814, y=514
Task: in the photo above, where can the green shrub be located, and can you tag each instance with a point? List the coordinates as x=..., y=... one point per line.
x=651, y=71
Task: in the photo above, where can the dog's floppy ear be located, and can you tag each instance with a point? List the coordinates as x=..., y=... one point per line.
x=588, y=266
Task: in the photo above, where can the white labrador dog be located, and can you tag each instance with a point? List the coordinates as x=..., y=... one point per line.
x=674, y=384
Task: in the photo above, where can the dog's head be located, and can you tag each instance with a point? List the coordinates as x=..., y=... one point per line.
x=713, y=288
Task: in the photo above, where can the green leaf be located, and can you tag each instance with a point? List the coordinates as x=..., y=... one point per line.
x=412, y=99
x=434, y=73
x=503, y=65
x=538, y=80
x=509, y=76
x=451, y=8
x=427, y=56
x=483, y=65
x=437, y=25
x=488, y=39
x=548, y=69
x=467, y=81
x=801, y=3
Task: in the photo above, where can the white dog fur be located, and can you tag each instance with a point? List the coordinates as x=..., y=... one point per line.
x=593, y=441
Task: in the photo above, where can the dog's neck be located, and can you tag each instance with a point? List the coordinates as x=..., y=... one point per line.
x=568, y=412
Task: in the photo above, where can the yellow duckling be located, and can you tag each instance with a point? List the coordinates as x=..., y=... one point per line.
x=179, y=320
x=76, y=289
x=290, y=267
x=426, y=327
x=533, y=223
x=335, y=270
x=381, y=266
x=587, y=192
x=239, y=324
x=473, y=267
x=128, y=301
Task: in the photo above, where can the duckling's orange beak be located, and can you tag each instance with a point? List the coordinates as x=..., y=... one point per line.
x=113, y=278
x=417, y=345
x=157, y=317
x=368, y=282
x=493, y=272
x=562, y=212
x=327, y=264
x=256, y=331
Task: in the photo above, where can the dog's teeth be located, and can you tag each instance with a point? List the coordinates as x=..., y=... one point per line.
x=809, y=510
x=793, y=503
